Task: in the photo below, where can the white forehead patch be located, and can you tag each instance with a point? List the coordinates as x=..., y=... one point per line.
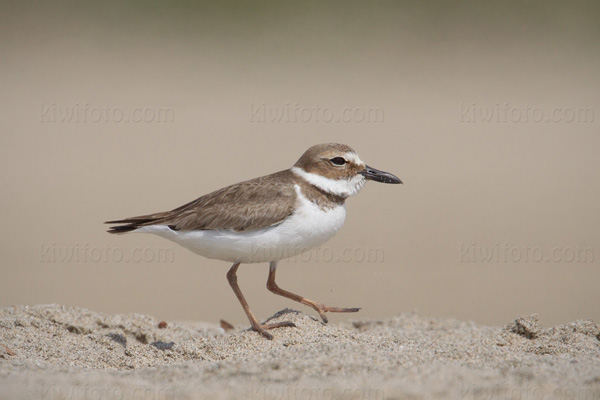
x=353, y=158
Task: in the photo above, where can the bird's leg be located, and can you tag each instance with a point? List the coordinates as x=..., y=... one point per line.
x=320, y=308
x=260, y=328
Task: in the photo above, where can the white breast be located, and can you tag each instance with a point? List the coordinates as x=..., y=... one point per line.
x=309, y=226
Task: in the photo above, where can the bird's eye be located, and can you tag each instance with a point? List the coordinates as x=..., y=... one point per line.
x=338, y=161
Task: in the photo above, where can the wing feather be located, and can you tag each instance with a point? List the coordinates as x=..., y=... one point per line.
x=249, y=205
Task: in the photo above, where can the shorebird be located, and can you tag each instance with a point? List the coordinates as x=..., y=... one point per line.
x=268, y=219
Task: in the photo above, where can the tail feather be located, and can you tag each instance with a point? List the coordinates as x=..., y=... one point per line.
x=131, y=224
x=122, y=228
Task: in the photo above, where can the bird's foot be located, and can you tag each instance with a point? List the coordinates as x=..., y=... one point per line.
x=262, y=328
x=322, y=309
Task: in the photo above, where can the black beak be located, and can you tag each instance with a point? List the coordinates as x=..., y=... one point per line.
x=379, y=176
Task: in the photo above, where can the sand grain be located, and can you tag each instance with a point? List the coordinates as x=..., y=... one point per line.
x=57, y=352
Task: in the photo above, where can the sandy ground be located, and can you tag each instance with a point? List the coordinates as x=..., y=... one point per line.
x=58, y=352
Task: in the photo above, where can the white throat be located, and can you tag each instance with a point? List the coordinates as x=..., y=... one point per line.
x=338, y=187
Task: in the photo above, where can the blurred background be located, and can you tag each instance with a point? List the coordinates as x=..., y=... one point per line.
x=489, y=113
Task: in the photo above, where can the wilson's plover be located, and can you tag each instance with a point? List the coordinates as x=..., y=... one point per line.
x=268, y=218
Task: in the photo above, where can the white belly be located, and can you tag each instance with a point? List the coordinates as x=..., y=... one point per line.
x=308, y=227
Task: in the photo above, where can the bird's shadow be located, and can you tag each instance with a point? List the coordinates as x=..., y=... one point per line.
x=286, y=311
